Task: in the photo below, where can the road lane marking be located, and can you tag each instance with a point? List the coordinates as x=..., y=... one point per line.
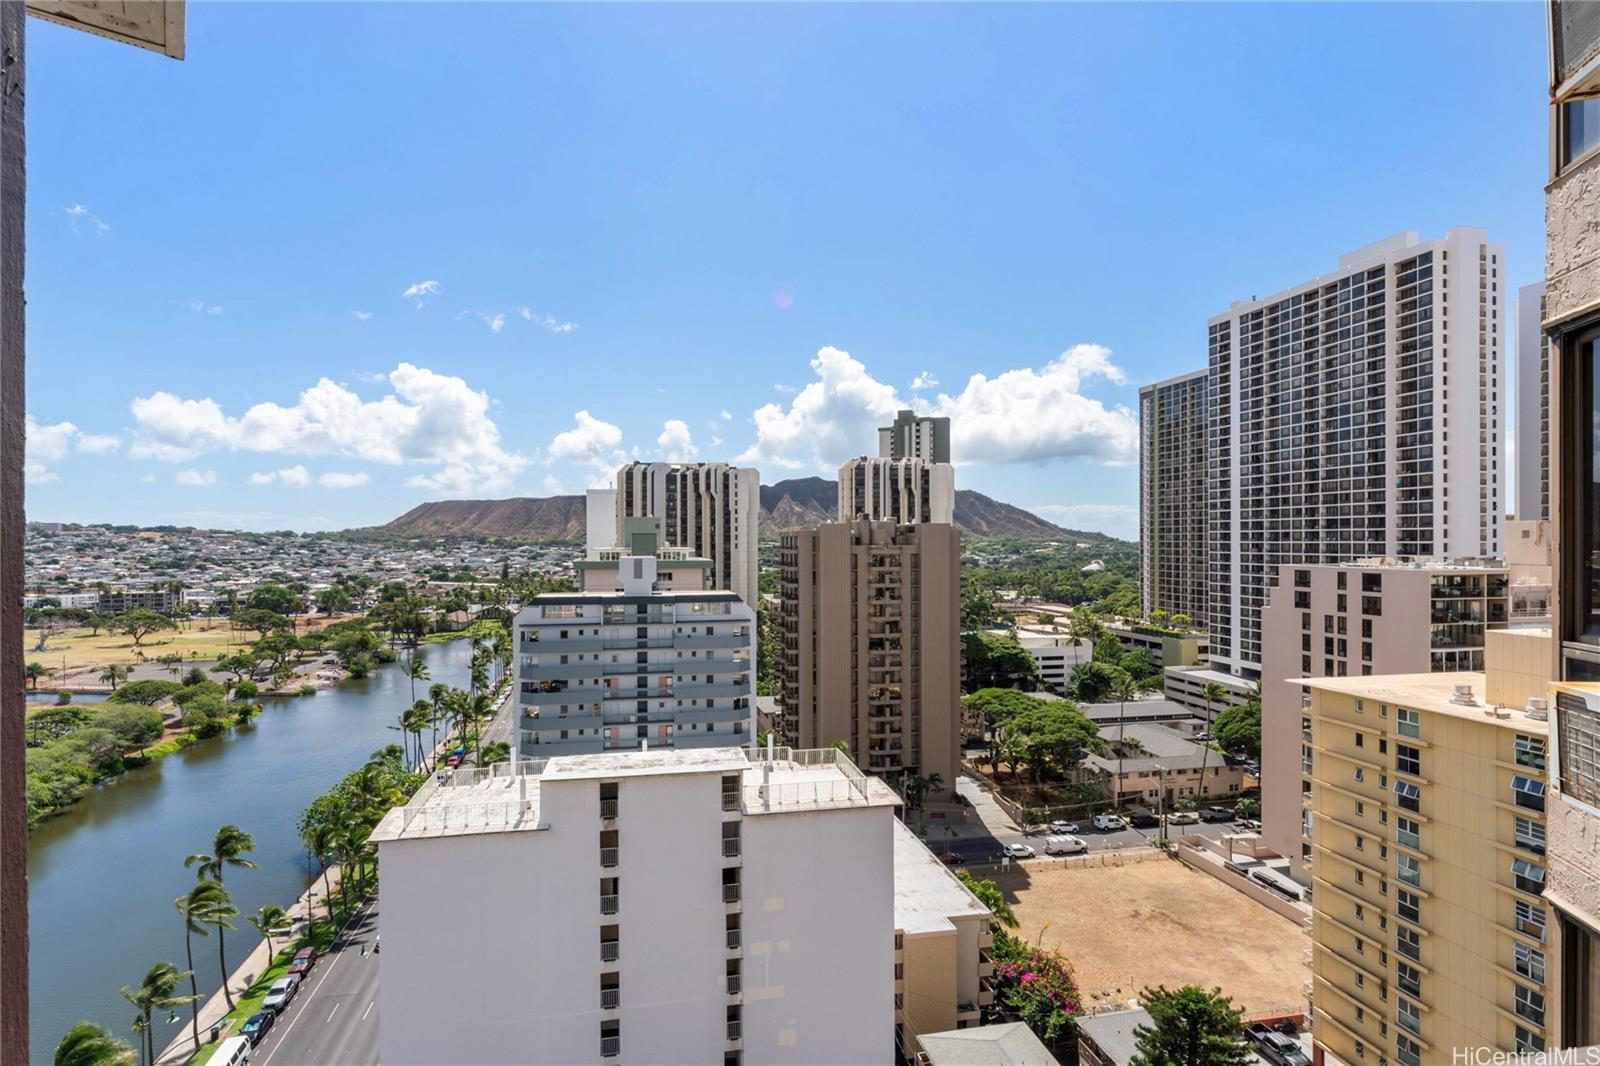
x=334, y=1011
x=368, y=1010
x=328, y=970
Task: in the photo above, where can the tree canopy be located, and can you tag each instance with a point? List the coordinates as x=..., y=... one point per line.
x=1190, y=1027
x=998, y=662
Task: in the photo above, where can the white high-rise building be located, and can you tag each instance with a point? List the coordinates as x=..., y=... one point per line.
x=708, y=906
x=1354, y=415
x=1533, y=406
x=897, y=490
x=712, y=509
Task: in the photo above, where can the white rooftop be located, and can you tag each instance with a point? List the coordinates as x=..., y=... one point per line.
x=926, y=894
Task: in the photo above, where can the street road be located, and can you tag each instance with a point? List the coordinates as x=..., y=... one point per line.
x=334, y=1019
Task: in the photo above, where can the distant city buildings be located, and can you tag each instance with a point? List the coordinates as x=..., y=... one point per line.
x=626, y=665
x=1172, y=496
x=706, y=906
x=1353, y=415
x=897, y=490
x=1533, y=406
x=710, y=509
x=911, y=436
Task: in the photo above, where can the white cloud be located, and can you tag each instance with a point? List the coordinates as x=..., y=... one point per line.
x=296, y=477
x=1117, y=519
x=495, y=322
x=675, y=441
x=923, y=381
x=200, y=307
x=79, y=213
x=590, y=442
x=725, y=416
x=361, y=316
x=196, y=478
x=429, y=420
x=1023, y=415
x=338, y=480
x=49, y=445
x=549, y=322
x=420, y=291
x=264, y=477
x=553, y=486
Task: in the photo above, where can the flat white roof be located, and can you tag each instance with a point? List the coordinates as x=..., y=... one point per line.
x=926, y=894
x=646, y=763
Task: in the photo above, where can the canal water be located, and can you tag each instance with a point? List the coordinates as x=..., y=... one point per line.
x=103, y=875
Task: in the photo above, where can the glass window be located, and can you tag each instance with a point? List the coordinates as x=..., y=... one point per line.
x=1579, y=728
x=1408, y=760
x=1407, y=1014
x=1408, y=942
x=1408, y=1051
x=1580, y=128
x=1529, y=1004
x=1406, y=831
x=1527, y=792
x=1530, y=751
x=1408, y=906
x=1410, y=869
x=1409, y=978
x=1528, y=1042
x=1529, y=877
x=1529, y=919
x=1528, y=834
x=1407, y=795
x=1409, y=722
x=1530, y=962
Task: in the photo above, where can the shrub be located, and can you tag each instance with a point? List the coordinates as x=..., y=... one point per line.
x=63, y=697
x=133, y=726
x=146, y=692
x=187, y=694
x=245, y=691
x=195, y=676
x=308, y=690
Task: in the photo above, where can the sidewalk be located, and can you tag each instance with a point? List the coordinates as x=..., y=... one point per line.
x=216, y=1008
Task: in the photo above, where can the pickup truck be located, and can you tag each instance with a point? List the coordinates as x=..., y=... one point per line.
x=1275, y=1046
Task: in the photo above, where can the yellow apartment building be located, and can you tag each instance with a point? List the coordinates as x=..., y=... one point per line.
x=1429, y=931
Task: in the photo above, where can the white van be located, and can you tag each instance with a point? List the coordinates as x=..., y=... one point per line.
x=1064, y=845
x=234, y=1051
x=1109, y=823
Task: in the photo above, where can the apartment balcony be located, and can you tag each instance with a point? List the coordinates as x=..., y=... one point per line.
x=608, y=904
x=733, y=984
x=733, y=940
x=610, y=998
x=608, y=857
x=610, y=1047
x=730, y=893
x=730, y=848
x=734, y=1032
x=608, y=809
x=553, y=696
x=690, y=641
x=609, y=951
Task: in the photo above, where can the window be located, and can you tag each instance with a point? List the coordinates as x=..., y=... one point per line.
x=1527, y=792
x=1530, y=751
x=1408, y=979
x=1408, y=906
x=1409, y=868
x=1580, y=128
x=1528, y=1042
x=1529, y=1004
x=1371, y=605
x=1408, y=1015
x=1408, y=942
x=1360, y=774
x=1580, y=740
x=1408, y=1051
x=1529, y=962
x=1529, y=919
x=1528, y=834
x=1529, y=877
x=1408, y=760
x=1408, y=796
x=1409, y=723
x=1406, y=832
x=1360, y=741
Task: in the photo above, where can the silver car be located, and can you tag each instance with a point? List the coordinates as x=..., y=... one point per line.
x=281, y=992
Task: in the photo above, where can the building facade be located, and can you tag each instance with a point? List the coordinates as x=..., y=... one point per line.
x=872, y=653
x=1572, y=331
x=616, y=670
x=911, y=436
x=1429, y=933
x=676, y=569
x=708, y=906
x=1172, y=496
x=897, y=490
x=1533, y=406
x=1355, y=414
x=710, y=509
x=1369, y=617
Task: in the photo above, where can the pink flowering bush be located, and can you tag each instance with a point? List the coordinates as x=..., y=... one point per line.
x=1036, y=985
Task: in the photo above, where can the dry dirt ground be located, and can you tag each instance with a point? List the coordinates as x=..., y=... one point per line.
x=1159, y=922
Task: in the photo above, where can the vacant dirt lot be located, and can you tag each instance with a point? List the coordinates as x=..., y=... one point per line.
x=1159, y=922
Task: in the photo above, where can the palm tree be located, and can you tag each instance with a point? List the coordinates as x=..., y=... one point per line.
x=322, y=841
x=228, y=848
x=416, y=670
x=114, y=675
x=36, y=670
x=218, y=915
x=195, y=905
x=501, y=646
x=1213, y=693
x=1124, y=689
x=271, y=921
x=157, y=991
x=86, y=1044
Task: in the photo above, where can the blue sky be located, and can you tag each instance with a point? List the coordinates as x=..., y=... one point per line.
x=728, y=232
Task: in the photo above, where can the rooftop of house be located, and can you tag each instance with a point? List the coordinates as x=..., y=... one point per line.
x=927, y=896
x=504, y=798
x=1160, y=748
x=1458, y=695
x=1006, y=1044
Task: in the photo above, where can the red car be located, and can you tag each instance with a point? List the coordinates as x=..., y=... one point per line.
x=303, y=960
x=950, y=858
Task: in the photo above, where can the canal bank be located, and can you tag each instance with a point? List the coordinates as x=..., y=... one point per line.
x=104, y=873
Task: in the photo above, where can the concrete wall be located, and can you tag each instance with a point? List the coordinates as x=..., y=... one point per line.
x=1517, y=664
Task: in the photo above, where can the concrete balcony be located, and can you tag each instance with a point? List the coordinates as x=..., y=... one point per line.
x=556, y=696
x=689, y=641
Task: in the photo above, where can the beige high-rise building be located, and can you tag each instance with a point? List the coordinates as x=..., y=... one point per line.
x=1430, y=936
x=711, y=509
x=897, y=490
x=872, y=648
x=1172, y=496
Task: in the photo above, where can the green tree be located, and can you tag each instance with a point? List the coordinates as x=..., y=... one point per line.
x=278, y=599
x=997, y=662
x=114, y=674
x=1213, y=693
x=1054, y=736
x=333, y=599
x=96, y=622
x=140, y=624
x=34, y=671
x=86, y=1044
x=229, y=847
x=1189, y=1027
x=1093, y=681
x=157, y=991
x=321, y=839
x=1124, y=691
x=1238, y=729
x=988, y=893
x=271, y=921
x=978, y=609
x=1247, y=808
x=499, y=751
x=197, y=907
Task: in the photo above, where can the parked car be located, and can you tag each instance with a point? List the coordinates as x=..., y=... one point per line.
x=1017, y=851
x=1280, y=1049
x=1183, y=818
x=1144, y=821
x=1063, y=827
x=281, y=992
x=950, y=858
x=1064, y=845
x=1250, y=824
x=303, y=960
x=1109, y=823
x=256, y=1026
x=1253, y=768
x=1216, y=814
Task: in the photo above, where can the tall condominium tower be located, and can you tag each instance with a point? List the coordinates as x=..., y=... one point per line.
x=709, y=508
x=897, y=490
x=915, y=436
x=1356, y=414
x=1172, y=495
x=872, y=647
x=1533, y=407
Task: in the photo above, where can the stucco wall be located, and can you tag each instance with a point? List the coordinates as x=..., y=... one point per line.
x=1572, y=250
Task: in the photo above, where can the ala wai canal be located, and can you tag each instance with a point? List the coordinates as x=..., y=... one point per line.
x=103, y=875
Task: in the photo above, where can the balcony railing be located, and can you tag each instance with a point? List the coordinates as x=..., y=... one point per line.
x=610, y=998
x=733, y=1031
x=608, y=856
x=730, y=894
x=730, y=848
x=730, y=801
x=733, y=984
x=609, y=950
x=610, y=1047
x=608, y=808
x=608, y=904
x=733, y=940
